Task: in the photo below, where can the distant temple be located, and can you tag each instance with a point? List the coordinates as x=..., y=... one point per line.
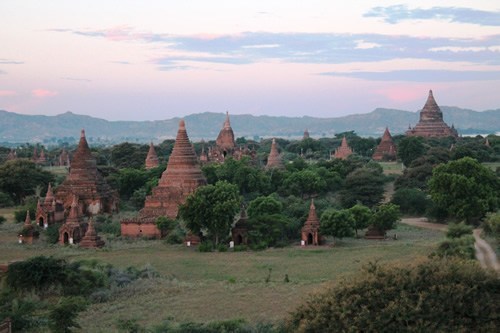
x=431, y=122
x=91, y=240
x=225, y=146
x=181, y=178
x=87, y=183
x=274, y=159
x=152, y=158
x=386, y=150
x=12, y=155
x=63, y=159
x=310, y=231
x=306, y=135
x=343, y=151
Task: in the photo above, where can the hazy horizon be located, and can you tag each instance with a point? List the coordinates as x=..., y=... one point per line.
x=155, y=60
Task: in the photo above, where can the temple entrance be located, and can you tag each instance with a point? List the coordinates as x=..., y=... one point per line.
x=239, y=240
x=40, y=222
x=66, y=238
x=309, y=239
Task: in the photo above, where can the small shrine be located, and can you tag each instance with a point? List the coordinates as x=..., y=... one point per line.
x=310, y=231
x=91, y=240
x=63, y=159
x=386, y=150
x=28, y=233
x=239, y=233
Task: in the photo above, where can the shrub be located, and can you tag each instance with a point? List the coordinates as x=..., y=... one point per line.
x=435, y=296
x=457, y=230
x=2, y=219
x=52, y=233
x=240, y=248
x=206, y=246
x=222, y=248
x=491, y=225
x=63, y=316
x=462, y=247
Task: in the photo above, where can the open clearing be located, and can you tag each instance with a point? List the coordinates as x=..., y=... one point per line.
x=204, y=287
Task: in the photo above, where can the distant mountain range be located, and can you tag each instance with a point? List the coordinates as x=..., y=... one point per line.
x=18, y=128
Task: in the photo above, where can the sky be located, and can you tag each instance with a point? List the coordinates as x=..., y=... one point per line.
x=152, y=60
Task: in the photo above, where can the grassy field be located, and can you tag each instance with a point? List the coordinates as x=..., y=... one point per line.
x=202, y=287
x=392, y=168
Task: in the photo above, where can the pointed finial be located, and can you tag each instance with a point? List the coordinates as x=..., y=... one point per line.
x=312, y=204
x=182, y=124
x=27, y=221
x=82, y=133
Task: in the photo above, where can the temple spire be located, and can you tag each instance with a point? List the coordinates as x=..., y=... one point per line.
x=49, y=197
x=151, y=158
x=227, y=123
x=27, y=220
x=274, y=160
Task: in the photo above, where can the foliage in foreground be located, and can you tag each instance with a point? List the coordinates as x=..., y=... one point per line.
x=435, y=296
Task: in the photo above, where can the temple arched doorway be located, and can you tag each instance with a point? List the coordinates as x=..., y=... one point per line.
x=40, y=222
x=309, y=238
x=66, y=238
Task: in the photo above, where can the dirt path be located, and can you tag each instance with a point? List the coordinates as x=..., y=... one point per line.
x=484, y=253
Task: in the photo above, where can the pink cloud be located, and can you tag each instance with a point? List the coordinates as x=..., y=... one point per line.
x=402, y=94
x=4, y=93
x=43, y=93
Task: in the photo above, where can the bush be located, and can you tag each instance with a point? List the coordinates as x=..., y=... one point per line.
x=435, y=296
x=240, y=248
x=63, y=316
x=222, y=248
x=52, y=233
x=457, y=230
x=462, y=247
x=2, y=219
x=206, y=246
x=491, y=225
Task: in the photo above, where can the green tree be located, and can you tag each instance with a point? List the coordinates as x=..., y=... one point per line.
x=411, y=201
x=363, y=185
x=19, y=178
x=304, y=183
x=337, y=223
x=266, y=221
x=410, y=148
x=385, y=216
x=62, y=317
x=435, y=296
x=361, y=215
x=212, y=207
x=466, y=189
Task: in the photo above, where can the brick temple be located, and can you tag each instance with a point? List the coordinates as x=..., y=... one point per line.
x=274, y=158
x=50, y=211
x=225, y=146
x=239, y=233
x=87, y=183
x=181, y=178
x=431, y=122
x=343, y=151
x=73, y=228
x=386, y=150
x=152, y=158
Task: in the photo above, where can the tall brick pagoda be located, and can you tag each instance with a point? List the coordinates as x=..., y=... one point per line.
x=152, y=158
x=181, y=178
x=310, y=231
x=239, y=233
x=386, y=150
x=343, y=151
x=274, y=159
x=431, y=122
x=86, y=182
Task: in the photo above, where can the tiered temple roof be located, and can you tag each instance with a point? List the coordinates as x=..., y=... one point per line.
x=274, y=159
x=386, y=150
x=73, y=229
x=225, y=139
x=343, y=151
x=431, y=122
x=152, y=158
x=49, y=211
x=87, y=183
